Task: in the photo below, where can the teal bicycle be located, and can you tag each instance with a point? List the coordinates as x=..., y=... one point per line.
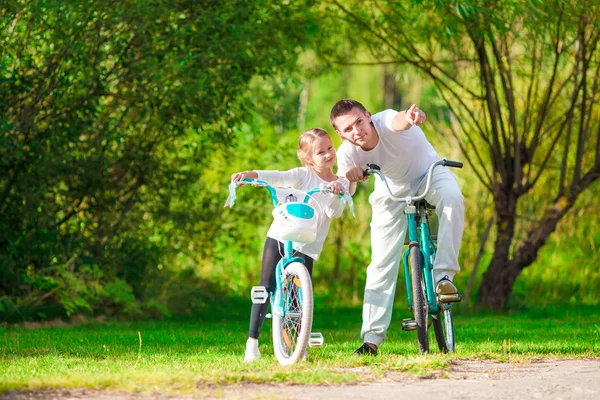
x=292, y=300
x=418, y=266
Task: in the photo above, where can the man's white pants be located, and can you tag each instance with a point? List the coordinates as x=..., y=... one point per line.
x=388, y=229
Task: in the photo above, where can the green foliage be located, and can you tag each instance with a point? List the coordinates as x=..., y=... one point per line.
x=109, y=114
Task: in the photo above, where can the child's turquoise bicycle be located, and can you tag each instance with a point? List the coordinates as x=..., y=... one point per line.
x=418, y=267
x=292, y=300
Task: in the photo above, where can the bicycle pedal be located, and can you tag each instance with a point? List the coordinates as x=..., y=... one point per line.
x=316, y=339
x=449, y=298
x=409, y=324
x=259, y=295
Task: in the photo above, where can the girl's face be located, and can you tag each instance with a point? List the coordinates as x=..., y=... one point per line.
x=323, y=153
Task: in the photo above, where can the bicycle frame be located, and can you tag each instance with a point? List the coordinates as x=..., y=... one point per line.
x=288, y=256
x=418, y=261
x=419, y=235
x=428, y=250
x=292, y=301
x=286, y=260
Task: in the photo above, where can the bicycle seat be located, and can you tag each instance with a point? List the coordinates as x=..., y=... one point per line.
x=423, y=201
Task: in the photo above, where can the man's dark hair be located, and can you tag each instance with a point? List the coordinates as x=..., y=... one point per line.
x=343, y=107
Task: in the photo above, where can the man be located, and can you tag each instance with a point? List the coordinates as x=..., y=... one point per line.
x=394, y=141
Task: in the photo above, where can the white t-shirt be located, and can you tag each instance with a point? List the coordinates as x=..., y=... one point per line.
x=305, y=179
x=403, y=156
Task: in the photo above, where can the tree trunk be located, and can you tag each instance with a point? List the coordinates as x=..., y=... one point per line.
x=339, y=241
x=499, y=278
x=389, y=84
x=503, y=271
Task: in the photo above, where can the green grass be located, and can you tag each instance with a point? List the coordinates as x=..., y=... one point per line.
x=188, y=356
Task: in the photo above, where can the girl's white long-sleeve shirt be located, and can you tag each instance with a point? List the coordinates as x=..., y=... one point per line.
x=303, y=179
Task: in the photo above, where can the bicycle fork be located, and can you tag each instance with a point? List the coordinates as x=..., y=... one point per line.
x=421, y=239
x=259, y=294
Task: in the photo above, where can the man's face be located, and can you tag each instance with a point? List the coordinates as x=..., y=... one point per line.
x=356, y=128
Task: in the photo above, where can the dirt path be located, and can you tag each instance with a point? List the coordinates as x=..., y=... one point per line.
x=541, y=379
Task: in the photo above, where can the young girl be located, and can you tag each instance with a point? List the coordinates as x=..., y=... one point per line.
x=317, y=154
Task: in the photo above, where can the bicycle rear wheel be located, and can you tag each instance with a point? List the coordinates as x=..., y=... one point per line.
x=420, y=308
x=293, y=324
x=443, y=326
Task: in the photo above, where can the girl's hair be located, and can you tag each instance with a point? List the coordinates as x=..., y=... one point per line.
x=305, y=143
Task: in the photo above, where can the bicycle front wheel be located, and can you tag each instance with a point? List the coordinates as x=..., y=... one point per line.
x=420, y=308
x=443, y=326
x=292, y=325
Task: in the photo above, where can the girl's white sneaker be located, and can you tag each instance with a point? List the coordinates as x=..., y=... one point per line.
x=252, y=352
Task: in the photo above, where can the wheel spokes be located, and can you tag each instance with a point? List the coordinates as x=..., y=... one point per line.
x=292, y=315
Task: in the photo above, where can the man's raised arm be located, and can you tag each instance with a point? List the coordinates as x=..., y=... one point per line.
x=407, y=118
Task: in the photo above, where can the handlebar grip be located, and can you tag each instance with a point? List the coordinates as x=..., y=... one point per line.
x=454, y=164
x=370, y=169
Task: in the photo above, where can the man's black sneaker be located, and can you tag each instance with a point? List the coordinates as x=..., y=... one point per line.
x=366, y=349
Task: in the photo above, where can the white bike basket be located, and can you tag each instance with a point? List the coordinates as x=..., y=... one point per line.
x=296, y=221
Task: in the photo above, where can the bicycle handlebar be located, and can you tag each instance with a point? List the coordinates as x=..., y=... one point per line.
x=258, y=183
x=453, y=164
x=375, y=169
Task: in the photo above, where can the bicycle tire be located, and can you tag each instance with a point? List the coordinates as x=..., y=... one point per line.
x=420, y=307
x=443, y=325
x=291, y=329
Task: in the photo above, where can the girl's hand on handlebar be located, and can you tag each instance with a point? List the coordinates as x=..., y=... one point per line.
x=240, y=176
x=335, y=187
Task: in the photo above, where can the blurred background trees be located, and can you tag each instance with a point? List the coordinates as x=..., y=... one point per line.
x=123, y=121
x=110, y=114
x=520, y=83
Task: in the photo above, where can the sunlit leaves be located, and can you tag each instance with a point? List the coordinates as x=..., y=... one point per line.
x=97, y=99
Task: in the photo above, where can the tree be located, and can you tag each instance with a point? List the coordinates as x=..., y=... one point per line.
x=522, y=79
x=107, y=109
